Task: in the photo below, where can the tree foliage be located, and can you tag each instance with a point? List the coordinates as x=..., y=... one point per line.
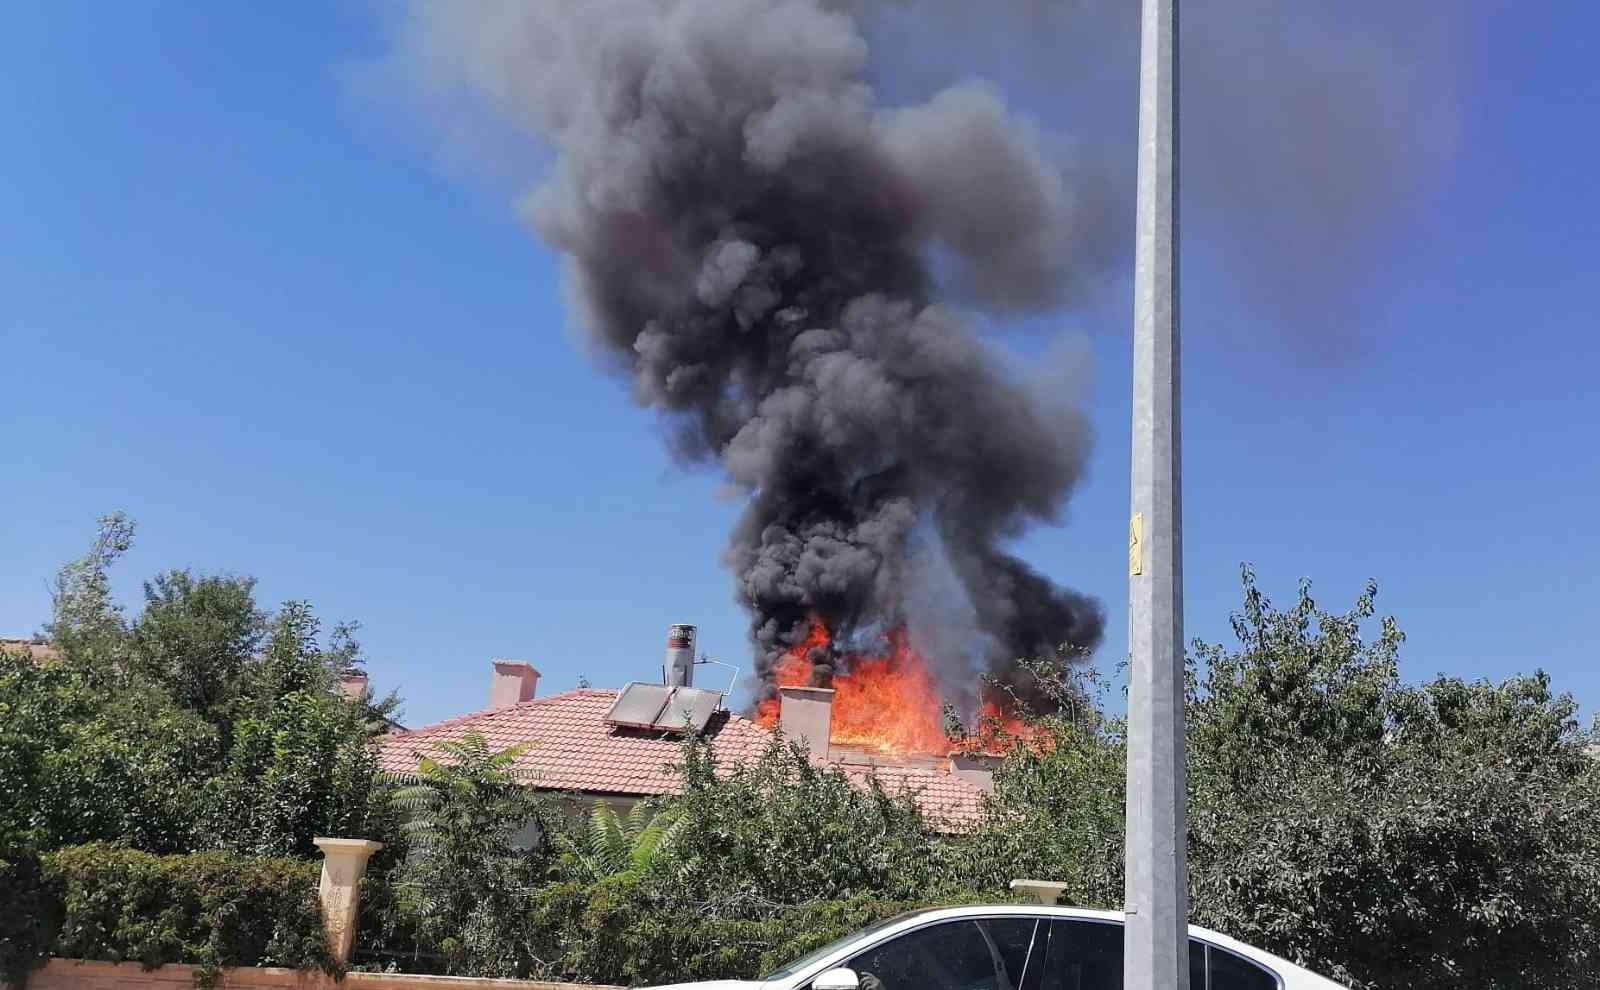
x=1393, y=836
x=1428, y=836
x=197, y=638
x=478, y=843
x=299, y=764
x=617, y=846
x=202, y=723
x=781, y=830
x=1056, y=812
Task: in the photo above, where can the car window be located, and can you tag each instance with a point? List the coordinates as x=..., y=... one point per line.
x=1226, y=971
x=1083, y=955
x=815, y=955
x=1197, y=964
x=983, y=954
x=1087, y=955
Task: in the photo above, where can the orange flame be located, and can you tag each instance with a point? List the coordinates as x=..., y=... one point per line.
x=889, y=703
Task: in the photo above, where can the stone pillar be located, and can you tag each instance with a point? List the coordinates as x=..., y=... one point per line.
x=343, y=865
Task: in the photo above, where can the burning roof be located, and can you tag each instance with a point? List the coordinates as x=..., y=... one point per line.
x=572, y=747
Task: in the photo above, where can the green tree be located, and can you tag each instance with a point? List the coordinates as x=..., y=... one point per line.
x=87, y=625
x=80, y=763
x=1056, y=812
x=35, y=700
x=300, y=764
x=478, y=845
x=1395, y=837
x=187, y=728
x=197, y=637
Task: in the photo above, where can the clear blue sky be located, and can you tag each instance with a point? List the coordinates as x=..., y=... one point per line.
x=272, y=326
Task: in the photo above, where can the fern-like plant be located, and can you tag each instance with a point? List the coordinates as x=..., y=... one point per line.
x=614, y=846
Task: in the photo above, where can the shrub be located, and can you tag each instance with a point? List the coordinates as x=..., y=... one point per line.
x=780, y=830
x=614, y=931
x=208, y=909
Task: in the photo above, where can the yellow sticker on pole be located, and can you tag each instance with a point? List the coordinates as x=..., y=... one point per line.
x=1136, y=545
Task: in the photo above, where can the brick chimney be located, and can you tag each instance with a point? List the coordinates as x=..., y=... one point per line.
x=512, y=682
x=353, y=684
x=806, y=716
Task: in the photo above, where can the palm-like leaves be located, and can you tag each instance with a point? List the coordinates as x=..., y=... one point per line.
x=466, y=879
x=465, y=782
x=618, y=846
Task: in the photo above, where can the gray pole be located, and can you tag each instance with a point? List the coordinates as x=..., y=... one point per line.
x=1156, y=937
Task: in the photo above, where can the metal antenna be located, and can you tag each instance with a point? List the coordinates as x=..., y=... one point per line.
x=719, y=663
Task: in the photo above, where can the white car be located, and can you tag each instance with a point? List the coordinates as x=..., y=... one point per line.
x=1012, y=947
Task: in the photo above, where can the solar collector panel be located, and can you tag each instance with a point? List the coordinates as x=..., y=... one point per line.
x=688, y=709
x=638, y=706
x=663, y=709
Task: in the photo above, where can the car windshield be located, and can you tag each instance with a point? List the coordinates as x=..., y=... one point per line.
x=839, y=943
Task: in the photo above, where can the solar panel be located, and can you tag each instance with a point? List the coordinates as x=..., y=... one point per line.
x=664, y=709
x=689, y=709
x=639, y=705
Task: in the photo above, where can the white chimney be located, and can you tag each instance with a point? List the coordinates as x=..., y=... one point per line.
x=512, y=682
x=805, y=716
x=976, y=769
x=678, y=669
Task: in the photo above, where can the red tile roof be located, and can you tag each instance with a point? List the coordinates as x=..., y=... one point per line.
x=571, y=748
x=942, y=796
x=35, y=648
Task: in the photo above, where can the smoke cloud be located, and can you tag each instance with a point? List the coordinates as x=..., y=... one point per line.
x=762, y=203
x=1310, y=130
x=754, y=240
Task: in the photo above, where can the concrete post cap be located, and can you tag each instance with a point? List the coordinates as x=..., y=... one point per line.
x=347, y=845
x=1047, y=891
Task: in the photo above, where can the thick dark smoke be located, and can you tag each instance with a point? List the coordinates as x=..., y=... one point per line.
x=760, y=244
x=756, y=242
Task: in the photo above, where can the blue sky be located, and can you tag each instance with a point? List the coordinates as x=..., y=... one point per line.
x=276, y=326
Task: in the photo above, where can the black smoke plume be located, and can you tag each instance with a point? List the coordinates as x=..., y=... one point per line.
x=762, y=247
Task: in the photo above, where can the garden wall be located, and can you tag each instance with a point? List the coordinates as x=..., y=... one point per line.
x=74, y=974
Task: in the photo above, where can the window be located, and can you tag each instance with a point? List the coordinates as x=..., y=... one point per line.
x=1087, y=955
x=1226, y=971
x=986, y=954
x=1083, y=955
x=1197, y=964
x=816, y=955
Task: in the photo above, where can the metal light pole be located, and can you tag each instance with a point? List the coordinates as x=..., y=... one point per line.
x=1156, y=935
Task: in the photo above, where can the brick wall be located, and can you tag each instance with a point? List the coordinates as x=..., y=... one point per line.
x=73, y=974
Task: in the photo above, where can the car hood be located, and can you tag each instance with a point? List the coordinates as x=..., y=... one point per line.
x=714, y=985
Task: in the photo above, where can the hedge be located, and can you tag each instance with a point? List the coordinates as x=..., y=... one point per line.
x=209, y=909
x=611, y=932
